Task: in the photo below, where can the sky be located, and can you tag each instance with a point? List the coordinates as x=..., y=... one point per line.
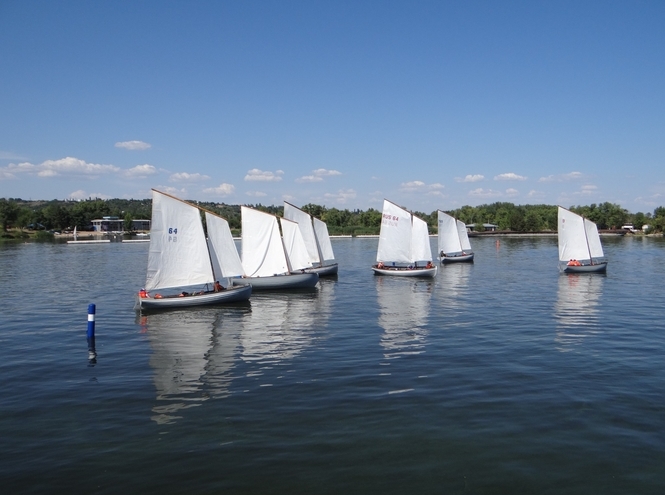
x=430, y=104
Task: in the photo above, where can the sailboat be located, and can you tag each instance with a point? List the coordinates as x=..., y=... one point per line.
x=403, y=243
x=264, y=259
x=454, y=245
x=317, y=240
x=179, y=257
x=580, y=249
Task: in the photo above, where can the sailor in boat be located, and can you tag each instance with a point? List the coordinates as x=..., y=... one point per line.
x=574, y=263
x=218, y=287
x=429, y=264
x=143, y=294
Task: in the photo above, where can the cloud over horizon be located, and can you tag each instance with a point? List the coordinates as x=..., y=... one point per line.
x=187, y=177
x=318, y=175
x=263, y=176
x=140, y=171
x=223, y=189
x=68, y=166
x=133, y=145
x=509, y=176
x=470, y=178
x=562, y=177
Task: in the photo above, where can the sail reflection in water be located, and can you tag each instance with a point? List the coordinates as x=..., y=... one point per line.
x=453, y=285
x=281, y=325
x=404, y=305
x=577, y=307
x=181, y=341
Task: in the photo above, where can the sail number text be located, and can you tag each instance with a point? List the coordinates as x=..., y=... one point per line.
x=390, y=220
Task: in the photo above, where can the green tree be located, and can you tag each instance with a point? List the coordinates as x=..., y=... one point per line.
x=8, y=213
x=128, y=222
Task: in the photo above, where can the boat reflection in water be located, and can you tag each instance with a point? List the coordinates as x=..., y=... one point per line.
x=180, y=341
x=197, y=354
x=453, y=285
x=404, y=306
x=577, y=307
x=281, y=325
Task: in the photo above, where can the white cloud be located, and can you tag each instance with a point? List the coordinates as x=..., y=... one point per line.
x=186, y=177
x=484, y=193
x=309, y=178
x=535, y=194
x=140, y=171
x=342, y=196
x=420, y=186
x=512, y=192
x=470, y=178
x=68, y=166
x=172, y=190
x=561, y=177
x=132, y=145
x=256, y=194
x=221, y=190
x=322, y=172
x=589, y=189
x=412, y=186
x=509, y=176
x=265, y=176
x=6, y=175
x=317, y=175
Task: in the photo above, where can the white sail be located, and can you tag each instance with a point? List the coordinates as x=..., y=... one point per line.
x=223, y=252
x=262, y=250
x=595, y=247
x=448, y=238
x=296, y=250
x=395, y=235
x=323, y=239
x=304, y=221
x=463, y=236
x=572, y=237
x=178, y=255
x=420, y=245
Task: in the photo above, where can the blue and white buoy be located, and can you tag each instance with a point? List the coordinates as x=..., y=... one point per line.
x=92, y=353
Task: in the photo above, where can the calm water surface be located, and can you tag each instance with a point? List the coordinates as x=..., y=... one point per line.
x=498, y=377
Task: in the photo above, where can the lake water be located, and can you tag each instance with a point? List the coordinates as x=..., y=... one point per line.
x=502, y=376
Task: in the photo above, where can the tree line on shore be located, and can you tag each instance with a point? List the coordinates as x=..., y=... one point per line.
x=65, y=215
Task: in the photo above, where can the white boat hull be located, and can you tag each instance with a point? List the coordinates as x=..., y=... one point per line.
x=457, y=259
x=597, y=268
x=280, y=282
x=324, y=271
x=230, y=295
x=406, y=272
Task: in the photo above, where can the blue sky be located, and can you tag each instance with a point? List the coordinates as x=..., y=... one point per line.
x=429, y=104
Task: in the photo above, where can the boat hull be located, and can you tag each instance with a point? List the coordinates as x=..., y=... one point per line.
x=230, y=295
x=280, y=282
x=324, y=271
x=406, y=272
x=462, y=258
x=597, y=268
